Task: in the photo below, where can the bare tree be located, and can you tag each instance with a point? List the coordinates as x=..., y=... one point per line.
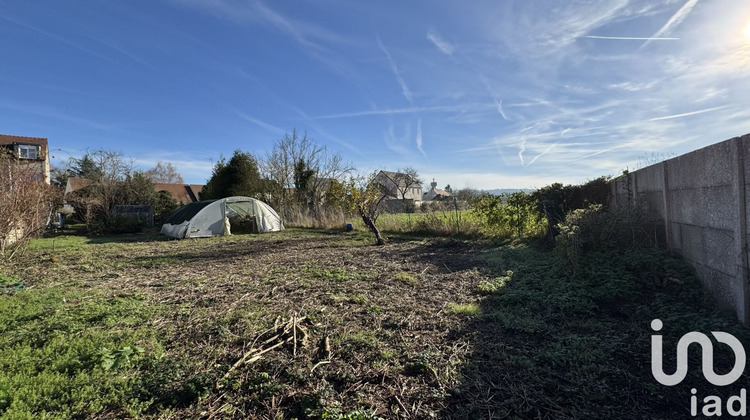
x=164, y=173
x=113, y=166
x=107, y=170
x=292, y=159
x=366, y=195
x=26, y=205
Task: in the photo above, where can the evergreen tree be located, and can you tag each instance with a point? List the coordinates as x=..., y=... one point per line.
x=238, y=176
x=86, y=167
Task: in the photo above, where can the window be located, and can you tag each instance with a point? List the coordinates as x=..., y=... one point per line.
x=27, y=151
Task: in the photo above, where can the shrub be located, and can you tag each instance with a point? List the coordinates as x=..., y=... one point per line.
x=594, y=228
x=488, y=287
x=508, y=215
x=26, y=205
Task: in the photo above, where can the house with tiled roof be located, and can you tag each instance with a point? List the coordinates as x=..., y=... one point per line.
x=436, y=193
x=184, y=193
x=33, y=151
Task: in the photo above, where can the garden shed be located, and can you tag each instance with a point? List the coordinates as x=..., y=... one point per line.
x=219, y=217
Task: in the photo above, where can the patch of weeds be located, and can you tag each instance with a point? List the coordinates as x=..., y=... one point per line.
x=467, y=309
x=374, y=310
x=6, y=280
x=116, y=359
x=387, y=354
x=329, y=274
x=421, y=363
x=10, y=284
x=488, y=287
x=358, y=414
x=5, y=398
x=406, y=278
x=54, y=350
x=262, y=386
x=319, y=402
x=361, y=341
x=169, y=382
x=358, y=299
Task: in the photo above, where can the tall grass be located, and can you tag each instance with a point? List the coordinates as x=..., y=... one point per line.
x=324, y=219
x=463, y=223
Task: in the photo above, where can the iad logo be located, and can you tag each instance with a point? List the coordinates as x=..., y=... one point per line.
x=711, y=404
x=708, y=357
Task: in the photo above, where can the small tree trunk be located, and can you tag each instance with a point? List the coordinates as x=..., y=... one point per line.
x=374, y=229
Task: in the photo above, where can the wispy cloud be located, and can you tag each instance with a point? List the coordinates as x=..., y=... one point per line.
x=58, y=38
x=122, y=51
x=631, y=38
x=419, y=137
x=396, y=143
x=259, y=123
x=687, y=114
x=633, y=86
x=401, y=82
x=443, y=45
x=499, y=105
x=50, y=112
x=544, y=152
x=284, y=25
x=674, y=21
x=243, y=115
x=315, y=125
x=193, y=171
x=409, y=110
x=307, y=34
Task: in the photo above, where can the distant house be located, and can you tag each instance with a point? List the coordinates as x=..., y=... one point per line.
x=31, y=150
x=399, y=185
x=437, y=194
x=184, y=193
x=73, y=184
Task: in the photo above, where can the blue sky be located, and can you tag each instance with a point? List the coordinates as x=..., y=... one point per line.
x=487, y=94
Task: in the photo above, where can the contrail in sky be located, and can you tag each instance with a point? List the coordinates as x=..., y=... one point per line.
x=632, y=38
x=687, y=114
x=675, y=20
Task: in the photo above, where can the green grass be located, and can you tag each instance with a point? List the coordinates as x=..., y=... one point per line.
x=456, y=329
x=466, y=309
x=579, y=339
x=64, y=352
x=407, y=278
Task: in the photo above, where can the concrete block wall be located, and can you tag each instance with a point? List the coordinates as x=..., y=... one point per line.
x=702, y=196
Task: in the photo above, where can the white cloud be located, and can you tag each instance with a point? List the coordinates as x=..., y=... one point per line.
x=687, y=114
x=401, y=82
x=443, y=45
x=419, y=137
x=631, y=38
x=493, y=180
x=674, y=21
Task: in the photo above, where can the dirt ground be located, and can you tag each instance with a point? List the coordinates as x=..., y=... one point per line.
x=319, y=324
x=394, y=349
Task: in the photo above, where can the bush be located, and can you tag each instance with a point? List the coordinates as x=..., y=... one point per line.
x=508, y=215
x=595, y=229
x=26, y=205
x=126, y=224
